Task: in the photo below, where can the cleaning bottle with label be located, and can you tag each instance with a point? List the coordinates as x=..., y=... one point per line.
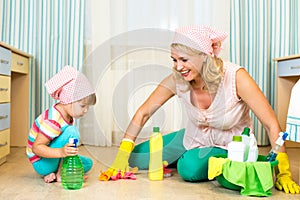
x=246, y=141
x=72, y=172
x=236, y=149
x=279, y=142
x=156, y=171
x=253, y=149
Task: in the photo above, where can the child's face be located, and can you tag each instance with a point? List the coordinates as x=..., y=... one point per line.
x=79, y=109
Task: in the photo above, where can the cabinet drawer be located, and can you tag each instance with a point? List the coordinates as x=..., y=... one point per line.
x=4, y=142
x=5, y=61
x=4, y=116
x=4, y=89
x=289, y=67
x=19, y=63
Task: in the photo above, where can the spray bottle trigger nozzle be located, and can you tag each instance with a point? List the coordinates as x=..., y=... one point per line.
x=73, y=141
x=284, y=136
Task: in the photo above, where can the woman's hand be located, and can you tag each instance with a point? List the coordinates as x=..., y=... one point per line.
x=120, y=165
x=284, y=179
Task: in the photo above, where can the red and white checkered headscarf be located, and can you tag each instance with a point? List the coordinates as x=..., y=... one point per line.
x=200, y=38
x=69, y=85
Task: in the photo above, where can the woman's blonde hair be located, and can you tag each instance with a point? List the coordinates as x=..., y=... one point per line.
x=211, y=71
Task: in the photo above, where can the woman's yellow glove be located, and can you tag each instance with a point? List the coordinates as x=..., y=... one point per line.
x=120, y=163
x=284, y=176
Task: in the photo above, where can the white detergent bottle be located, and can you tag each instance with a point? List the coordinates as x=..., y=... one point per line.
x=253, y=149
x=236, y=149
x=246, y=141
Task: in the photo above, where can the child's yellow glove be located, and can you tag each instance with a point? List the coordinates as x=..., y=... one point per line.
x=284, y=176
x=120, y=163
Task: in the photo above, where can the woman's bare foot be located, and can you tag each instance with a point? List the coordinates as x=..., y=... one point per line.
x=50, y=178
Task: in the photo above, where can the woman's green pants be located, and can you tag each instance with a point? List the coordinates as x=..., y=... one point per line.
x=192, y=165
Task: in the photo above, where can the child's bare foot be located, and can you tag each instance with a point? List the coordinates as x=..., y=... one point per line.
x=58, y=177
x=50, y=178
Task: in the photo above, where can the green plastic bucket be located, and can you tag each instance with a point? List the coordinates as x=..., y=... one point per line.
x=222, y=181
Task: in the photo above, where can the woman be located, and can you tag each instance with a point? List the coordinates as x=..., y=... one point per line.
x=217, y=96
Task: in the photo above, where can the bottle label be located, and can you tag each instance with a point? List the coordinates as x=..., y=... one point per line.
x=156, y=163
x=236, y=151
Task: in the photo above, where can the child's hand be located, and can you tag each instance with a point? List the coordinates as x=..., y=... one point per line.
x=69, y=150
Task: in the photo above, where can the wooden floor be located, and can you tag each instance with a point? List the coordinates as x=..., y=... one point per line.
x=19, y=181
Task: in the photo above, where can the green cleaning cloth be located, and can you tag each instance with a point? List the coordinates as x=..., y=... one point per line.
x=255, y=178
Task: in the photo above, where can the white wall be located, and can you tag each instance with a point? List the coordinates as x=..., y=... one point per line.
x=107, y=18
x=127, y=50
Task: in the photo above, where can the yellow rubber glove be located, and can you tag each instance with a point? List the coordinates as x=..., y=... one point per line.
x=121, y=161
x=215, y=166
x=284, y=176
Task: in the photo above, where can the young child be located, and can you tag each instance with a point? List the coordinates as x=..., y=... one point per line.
x=49, y=135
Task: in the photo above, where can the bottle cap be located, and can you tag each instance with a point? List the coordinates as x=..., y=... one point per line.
x=246, y=131
x=155, y=129
x=282, y=137
x=237, y=138
x=73, y=141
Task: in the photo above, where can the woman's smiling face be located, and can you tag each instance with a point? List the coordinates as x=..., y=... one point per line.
x=187, y=64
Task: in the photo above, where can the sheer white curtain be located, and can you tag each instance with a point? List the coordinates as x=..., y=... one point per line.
x=127, y=55
x=263, y=30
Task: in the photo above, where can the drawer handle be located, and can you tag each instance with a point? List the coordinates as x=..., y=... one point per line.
x=20, y=63
x=295, y=67
x=4, y=61
x=3, y=89
x=3, y=144
x=3, y=117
